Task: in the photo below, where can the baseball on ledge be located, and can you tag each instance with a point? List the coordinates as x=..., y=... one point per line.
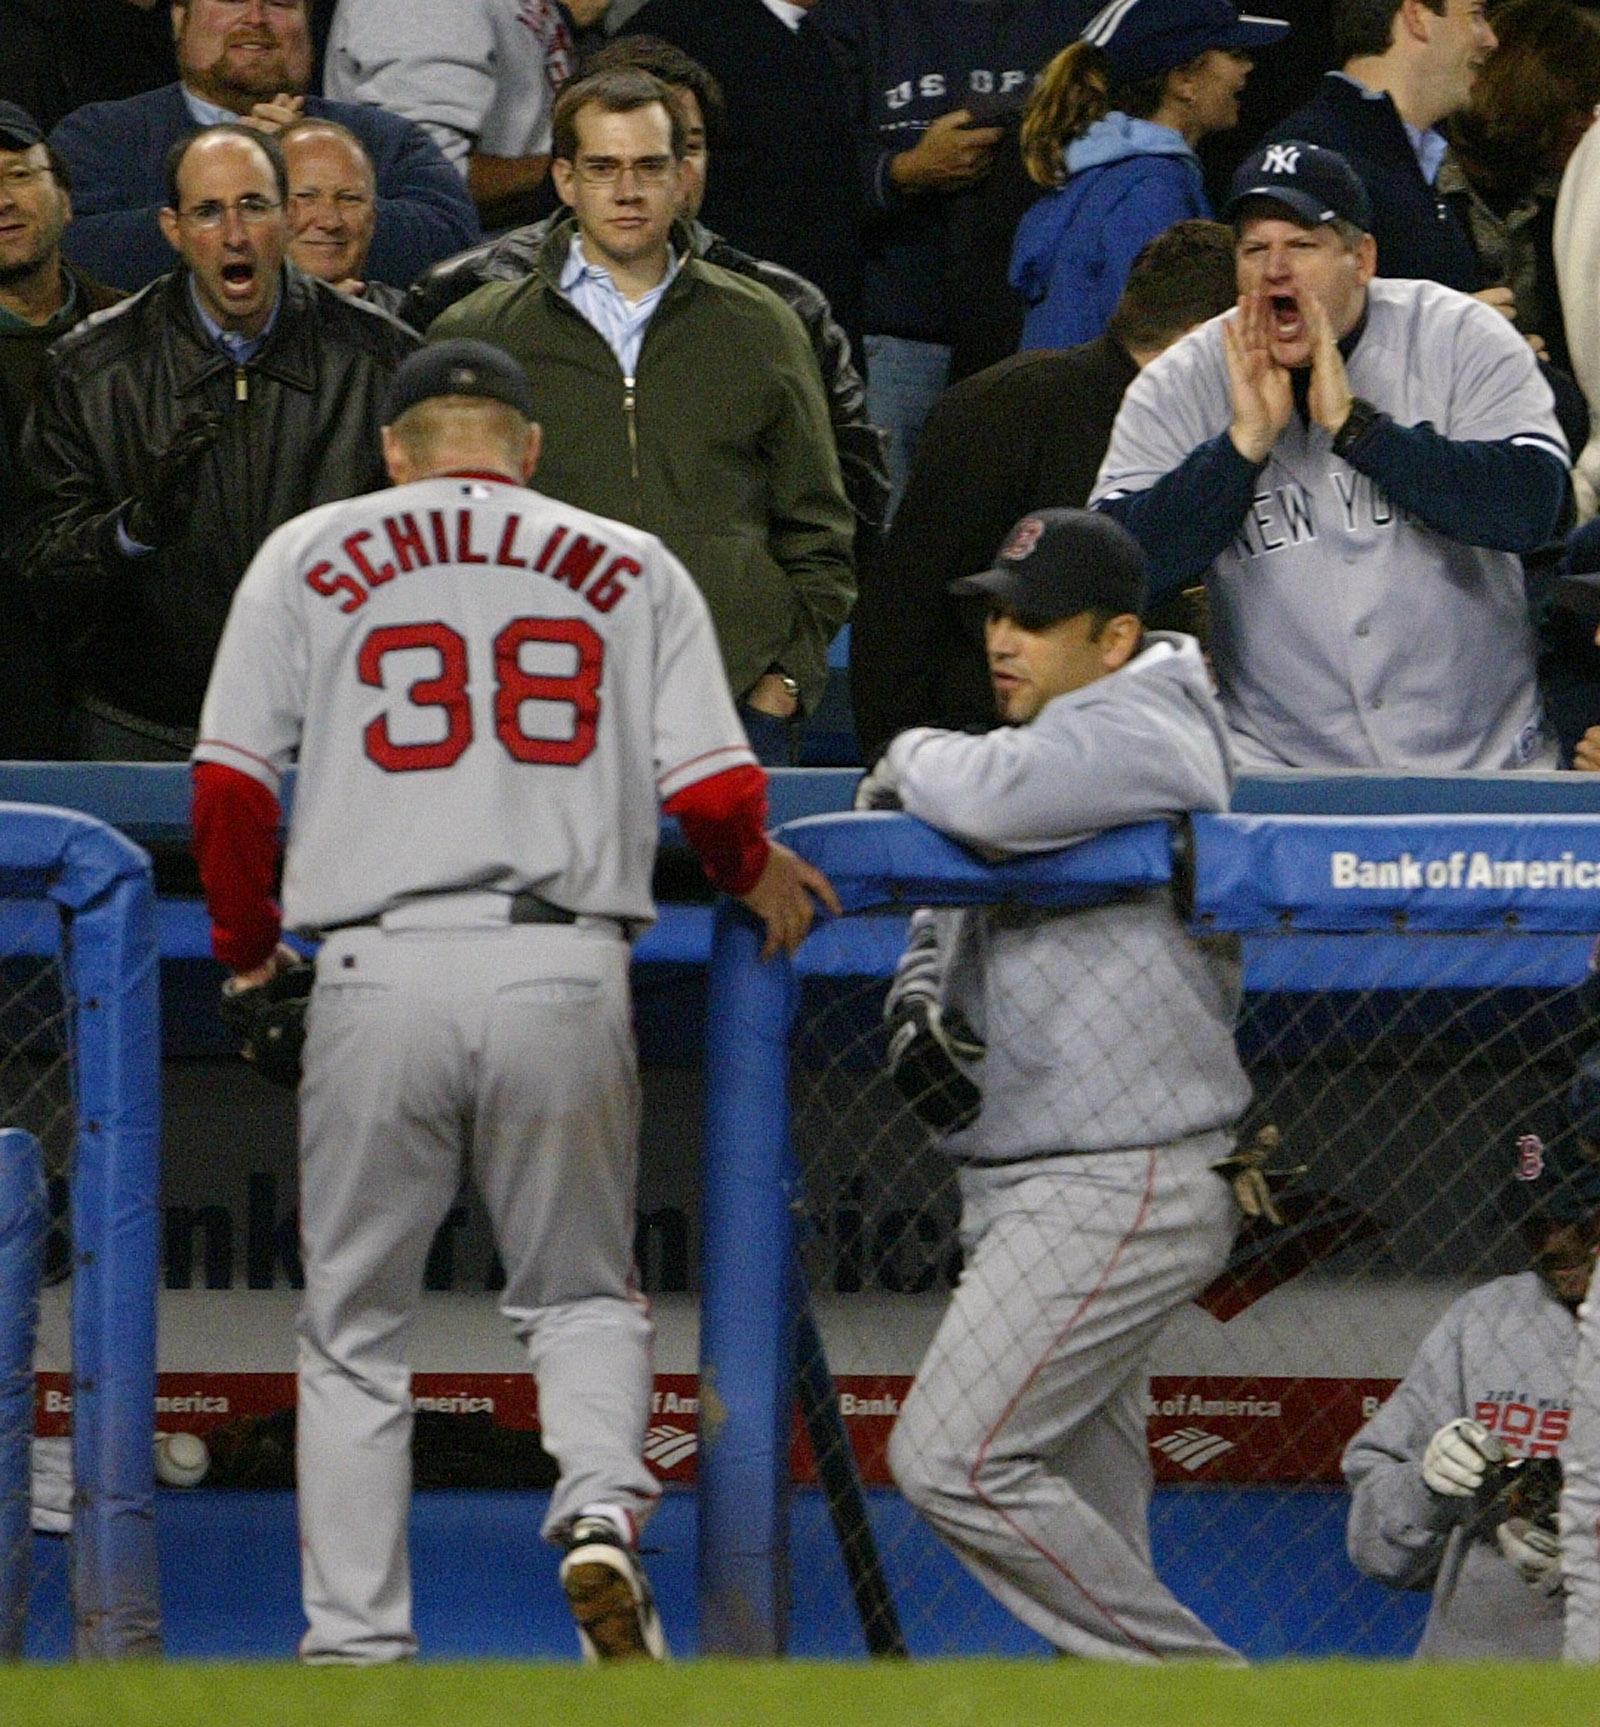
x=181, y=1459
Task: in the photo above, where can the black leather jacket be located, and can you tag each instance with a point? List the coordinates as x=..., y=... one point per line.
x=860, y=444
x=300, y=428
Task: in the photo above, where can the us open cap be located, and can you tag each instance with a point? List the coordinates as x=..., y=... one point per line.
x=1313, y=182
x=1145, y=38
x=1055, y=564
x=460, y=367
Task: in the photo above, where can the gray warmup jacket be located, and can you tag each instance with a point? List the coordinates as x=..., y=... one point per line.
x=1503, y=1355
x=1108, y=1027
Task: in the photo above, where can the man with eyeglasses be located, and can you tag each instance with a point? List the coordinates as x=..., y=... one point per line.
x=41, y=298
x=333, y=209
x=680, y=398
x=172, y=435
x=512, y=256
x=250, y=61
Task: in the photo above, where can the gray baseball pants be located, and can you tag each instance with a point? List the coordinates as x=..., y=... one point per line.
x=508, y=1051
x=1023, y=1438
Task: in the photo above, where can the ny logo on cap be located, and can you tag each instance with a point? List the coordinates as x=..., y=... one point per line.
x=1025, y=537
x=1530, y=1157
x=1281, y=159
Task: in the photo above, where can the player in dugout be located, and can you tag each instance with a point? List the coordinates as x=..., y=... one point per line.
x=1433, y=1503
x=1095, y=1198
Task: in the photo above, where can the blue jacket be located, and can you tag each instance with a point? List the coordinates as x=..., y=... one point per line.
x=1127, y=181
x=117, y=151
x=1419, y=233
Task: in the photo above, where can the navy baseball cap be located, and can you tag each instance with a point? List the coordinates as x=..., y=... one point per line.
x=18, y=128
x=459, y=368
x=1055, y=564
x=1567, y=1188
x=1317, y=185
x=1144, y=38
x=1560, y=1181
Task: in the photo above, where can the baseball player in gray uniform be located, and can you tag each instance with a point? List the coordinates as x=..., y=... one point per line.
x=1490, y=1383
x=1109, y=1089
x=1353, y=465
x=490, y=694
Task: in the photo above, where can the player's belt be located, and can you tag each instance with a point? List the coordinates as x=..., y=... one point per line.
x=454, y=910
x=531, y=908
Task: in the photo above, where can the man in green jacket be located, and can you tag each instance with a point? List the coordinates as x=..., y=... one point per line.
x=680, y=398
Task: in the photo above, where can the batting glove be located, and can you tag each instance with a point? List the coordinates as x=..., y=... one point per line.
x=1458, y=1458
x=926, y=1050
x=1535, y=1552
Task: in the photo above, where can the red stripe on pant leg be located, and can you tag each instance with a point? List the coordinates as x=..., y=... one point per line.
x=1056, y=1342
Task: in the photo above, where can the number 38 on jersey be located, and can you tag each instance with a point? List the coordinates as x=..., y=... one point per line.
x=545, y=674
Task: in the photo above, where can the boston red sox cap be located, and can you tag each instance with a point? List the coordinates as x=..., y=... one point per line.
x=1055, y=564
x=1316, y=184
x=1144, y=38
x=459, y=368
x=18, y=128
x=1560, y=1181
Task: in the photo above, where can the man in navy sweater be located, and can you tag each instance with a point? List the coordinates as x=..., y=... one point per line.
x=1407, y=65
x=246, y=60
x=926, y=81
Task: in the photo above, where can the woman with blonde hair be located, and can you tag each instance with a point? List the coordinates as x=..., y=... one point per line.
x=1110, y=132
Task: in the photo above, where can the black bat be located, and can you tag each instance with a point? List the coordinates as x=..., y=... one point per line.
x=841, y=1485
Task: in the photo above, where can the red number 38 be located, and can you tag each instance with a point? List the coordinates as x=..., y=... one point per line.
x=578, y=689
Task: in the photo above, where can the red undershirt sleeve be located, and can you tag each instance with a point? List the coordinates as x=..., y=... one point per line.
x=724, y=818
x=235, y=820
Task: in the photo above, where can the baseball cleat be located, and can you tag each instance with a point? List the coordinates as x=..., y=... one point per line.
x=609, y=1595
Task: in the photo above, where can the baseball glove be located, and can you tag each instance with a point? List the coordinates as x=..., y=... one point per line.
x=1521, y=1487
x=929, y=1048
x=269, y=1021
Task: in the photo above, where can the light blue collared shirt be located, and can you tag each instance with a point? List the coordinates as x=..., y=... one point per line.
x=239, y=348
x=621, y=321
x=1427, y=145
x=208, y=113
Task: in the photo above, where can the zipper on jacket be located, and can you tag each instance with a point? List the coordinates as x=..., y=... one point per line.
x=241, y=384
x=630, y=403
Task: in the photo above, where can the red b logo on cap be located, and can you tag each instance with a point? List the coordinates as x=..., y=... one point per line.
x=1530, y=1157
x=1024, y=537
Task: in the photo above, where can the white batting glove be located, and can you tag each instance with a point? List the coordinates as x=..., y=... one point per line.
x=879, y=789
x=1458, y=1457
x=1535, y=1551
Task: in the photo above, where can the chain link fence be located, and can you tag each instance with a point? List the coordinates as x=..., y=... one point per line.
x=1425, y=1096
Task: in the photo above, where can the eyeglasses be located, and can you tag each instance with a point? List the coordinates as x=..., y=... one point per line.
x=608, y=170
x=250, y=209
x=19, y=177
x=346, y=203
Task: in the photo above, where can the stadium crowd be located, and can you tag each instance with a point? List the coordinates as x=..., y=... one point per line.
x=876, y=226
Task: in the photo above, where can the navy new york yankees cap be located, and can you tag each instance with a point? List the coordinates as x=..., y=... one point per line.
x=1144, y=38
x=1055, y=564
x=1317, y=184
x=18, y=128
x=460, y=367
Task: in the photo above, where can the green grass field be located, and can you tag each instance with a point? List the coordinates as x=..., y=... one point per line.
x=710, y=1694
